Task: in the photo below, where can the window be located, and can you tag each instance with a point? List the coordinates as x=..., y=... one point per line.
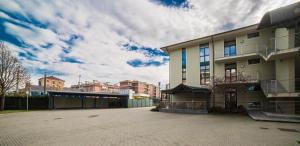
x=253, y=35
x=183, y=57
x=204, y=64
x=229, y=49
x=230, y=72
x=254, y=61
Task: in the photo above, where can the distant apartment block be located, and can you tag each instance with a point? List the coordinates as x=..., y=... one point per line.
x=52, y=82
x=141, y=88
x=241, y=68
x=95, y=86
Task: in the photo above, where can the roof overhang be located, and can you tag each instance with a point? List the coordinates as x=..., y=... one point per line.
x=181, y=88
x=71, y=93
x=280, y=16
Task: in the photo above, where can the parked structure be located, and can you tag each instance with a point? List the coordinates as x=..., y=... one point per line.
x=52, y=82
x=140, y=88
x=257, y=66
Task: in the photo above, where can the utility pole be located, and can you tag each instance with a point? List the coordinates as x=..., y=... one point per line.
x=45, y=79
x=79, y=81
x=159, y=90
x=27, y=94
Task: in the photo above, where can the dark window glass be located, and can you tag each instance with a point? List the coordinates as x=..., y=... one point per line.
x=204, y=64
x=229, y=49
x=252, y=35
x=254, y=61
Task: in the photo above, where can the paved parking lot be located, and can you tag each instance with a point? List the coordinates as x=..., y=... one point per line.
x=139, y=127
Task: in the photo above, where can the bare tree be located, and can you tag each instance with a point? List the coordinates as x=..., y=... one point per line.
x=12, y=73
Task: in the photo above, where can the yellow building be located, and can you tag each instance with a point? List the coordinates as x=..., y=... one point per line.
x=52, y=82
x=243, y=68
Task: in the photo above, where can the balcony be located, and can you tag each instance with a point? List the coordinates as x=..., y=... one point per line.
x=270, y=49
x=239, y=78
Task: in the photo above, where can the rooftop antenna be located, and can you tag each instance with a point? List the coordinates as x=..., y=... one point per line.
x=79, y=81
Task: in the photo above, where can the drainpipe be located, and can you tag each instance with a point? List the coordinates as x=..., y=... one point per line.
x=213, y=61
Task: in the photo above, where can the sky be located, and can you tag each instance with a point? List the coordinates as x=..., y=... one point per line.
x=114, y=40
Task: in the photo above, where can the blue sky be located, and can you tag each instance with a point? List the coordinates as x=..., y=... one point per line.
x=111, y=41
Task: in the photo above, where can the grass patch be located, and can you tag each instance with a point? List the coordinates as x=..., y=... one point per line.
x=12, y=111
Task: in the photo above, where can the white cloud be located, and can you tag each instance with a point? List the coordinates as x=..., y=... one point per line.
x=106, y=25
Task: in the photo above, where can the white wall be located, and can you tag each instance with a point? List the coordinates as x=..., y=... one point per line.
x=193, y=66
x=175, y=70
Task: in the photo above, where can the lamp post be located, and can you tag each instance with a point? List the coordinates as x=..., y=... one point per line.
x=27, y=93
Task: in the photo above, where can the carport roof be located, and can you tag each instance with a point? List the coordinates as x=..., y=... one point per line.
x=87, y=94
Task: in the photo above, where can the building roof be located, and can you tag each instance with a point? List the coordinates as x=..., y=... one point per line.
x=280, y=15
x=52, y=77
x=274, y=17
x=76, y=93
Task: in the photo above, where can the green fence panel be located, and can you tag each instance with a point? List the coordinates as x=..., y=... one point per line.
x=140, y=103
x=129, y=103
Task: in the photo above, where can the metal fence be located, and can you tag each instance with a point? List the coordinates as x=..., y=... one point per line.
x=282, y=107
x=280, y=86
x=184, y=105
x=134, y=103
x=291, y=107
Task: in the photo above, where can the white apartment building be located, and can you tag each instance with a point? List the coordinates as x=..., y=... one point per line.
x=257, y=66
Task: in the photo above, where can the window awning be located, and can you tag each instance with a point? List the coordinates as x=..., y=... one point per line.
x=181, y=88
x=280, y=16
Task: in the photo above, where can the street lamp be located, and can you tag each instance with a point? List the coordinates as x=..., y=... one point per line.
x=27, y=93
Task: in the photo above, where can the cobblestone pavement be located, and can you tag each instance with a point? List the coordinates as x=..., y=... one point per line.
x=139, y=127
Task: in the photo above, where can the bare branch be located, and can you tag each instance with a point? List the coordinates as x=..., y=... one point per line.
x=11, y=72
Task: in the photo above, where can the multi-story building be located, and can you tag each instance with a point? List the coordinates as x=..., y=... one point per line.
x=140, y=88
x=52, y=82
x=241, y=68
x=96, y=86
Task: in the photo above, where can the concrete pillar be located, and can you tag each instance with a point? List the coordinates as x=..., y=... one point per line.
x=285, y=74
x=281, y=40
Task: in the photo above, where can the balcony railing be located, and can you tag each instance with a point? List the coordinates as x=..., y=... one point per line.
x=266, y=47
x=281, y=86
x=240, y=77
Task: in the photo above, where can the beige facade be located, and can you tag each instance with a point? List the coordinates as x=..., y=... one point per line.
x=253, y=64
x=52, y=82
x=141, y=88
x=96, y=86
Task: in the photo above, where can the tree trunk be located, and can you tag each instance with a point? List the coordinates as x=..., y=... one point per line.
x=2, y=102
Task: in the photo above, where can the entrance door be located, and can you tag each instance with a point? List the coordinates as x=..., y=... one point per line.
x=230, y=72
x=231, y=100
